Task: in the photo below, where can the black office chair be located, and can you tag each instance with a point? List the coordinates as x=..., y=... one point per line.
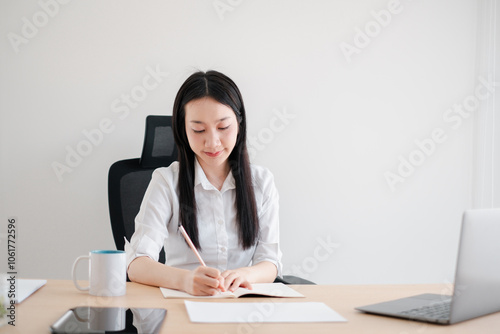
x=129, y=179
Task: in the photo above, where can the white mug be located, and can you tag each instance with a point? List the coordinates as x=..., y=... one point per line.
x=107, y=273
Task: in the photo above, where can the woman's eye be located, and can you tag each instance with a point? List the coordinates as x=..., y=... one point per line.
x=198, y=131
x=225, y=128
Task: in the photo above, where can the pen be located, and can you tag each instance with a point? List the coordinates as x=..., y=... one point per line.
x=195, y=251
x=190, y=243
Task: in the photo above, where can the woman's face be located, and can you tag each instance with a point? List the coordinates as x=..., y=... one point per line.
x=212, y=129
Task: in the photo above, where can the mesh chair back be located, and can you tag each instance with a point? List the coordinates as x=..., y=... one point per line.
x=127, y=183
x=129, y=179
x=159, y=146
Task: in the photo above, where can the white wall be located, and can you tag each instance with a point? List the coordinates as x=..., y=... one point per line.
x=349, y=119
x=486, y=189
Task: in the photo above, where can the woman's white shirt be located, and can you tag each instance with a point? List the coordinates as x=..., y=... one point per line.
x=156, y=224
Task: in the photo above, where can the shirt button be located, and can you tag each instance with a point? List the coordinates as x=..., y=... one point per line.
x=221, y=222
x=223, y=249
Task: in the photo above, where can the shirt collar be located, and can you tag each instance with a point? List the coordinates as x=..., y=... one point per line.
x=201, y=178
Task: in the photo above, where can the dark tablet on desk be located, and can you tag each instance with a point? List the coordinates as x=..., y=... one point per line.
x=87, y=319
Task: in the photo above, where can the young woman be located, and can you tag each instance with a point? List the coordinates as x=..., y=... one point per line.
x=228, y=207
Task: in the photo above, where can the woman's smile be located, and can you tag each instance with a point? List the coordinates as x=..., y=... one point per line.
x=214, y=154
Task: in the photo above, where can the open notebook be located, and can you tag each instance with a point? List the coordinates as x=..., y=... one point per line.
x=258, y=289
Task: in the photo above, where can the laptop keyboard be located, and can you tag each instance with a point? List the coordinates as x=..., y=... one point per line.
x=434, y=311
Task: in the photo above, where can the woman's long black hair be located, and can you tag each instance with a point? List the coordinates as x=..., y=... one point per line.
x=222, y=89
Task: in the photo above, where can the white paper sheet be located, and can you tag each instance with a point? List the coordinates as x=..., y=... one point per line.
x=207, y=312
x=23, y=288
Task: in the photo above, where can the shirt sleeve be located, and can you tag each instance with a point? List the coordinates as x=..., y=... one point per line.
x=151, y=221
x=268, y=248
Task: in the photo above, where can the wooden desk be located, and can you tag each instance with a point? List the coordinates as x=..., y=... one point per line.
x=38, y=312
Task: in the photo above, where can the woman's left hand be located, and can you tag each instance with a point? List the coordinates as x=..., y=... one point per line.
x=233, y=279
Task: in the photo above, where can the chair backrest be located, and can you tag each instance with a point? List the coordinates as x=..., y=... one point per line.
x=159, y=146
x=128, y=179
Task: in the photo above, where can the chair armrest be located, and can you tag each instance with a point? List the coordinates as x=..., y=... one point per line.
x=290, y=279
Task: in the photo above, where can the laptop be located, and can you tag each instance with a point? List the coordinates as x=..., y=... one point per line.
x=477, y=278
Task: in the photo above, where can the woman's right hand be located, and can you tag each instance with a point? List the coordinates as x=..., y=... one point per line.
x=204, y=281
